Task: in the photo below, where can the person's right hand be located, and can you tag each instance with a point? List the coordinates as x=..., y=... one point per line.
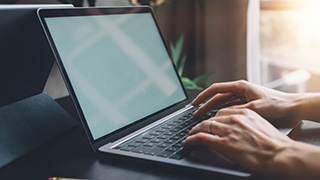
x=275, y=106
x=244, y=137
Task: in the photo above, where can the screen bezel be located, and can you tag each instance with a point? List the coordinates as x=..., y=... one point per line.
x=46, y=13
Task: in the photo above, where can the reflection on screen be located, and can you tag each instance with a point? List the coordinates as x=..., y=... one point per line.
x=118, y=67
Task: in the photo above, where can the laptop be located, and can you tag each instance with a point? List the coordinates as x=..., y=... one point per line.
x=125, y=87
x=25, y=55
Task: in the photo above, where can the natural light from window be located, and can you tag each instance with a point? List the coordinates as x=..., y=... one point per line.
x=290, y=47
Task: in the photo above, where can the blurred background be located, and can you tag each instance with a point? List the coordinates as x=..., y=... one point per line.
x=290, y=44
x=215, y=39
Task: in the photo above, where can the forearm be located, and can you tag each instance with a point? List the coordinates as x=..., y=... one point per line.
x=299, y=161
x=306, y=106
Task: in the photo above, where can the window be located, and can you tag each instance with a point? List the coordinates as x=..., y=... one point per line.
x=290, y=45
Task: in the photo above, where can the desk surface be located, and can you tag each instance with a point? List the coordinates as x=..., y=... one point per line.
x=70, y=155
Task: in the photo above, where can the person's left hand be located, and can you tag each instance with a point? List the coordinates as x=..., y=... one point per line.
x=242, y=136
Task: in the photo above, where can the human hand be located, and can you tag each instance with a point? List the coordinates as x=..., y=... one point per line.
x=242, y=136
x=270, y=104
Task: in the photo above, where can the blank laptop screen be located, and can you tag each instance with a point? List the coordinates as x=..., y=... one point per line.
x=118, y=67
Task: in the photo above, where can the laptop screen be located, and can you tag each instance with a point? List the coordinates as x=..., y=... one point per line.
x=118, y=67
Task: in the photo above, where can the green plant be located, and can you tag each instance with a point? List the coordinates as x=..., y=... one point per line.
x=176, y=51
x=180, y=60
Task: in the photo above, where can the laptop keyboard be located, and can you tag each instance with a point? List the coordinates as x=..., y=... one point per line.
x=165, y=139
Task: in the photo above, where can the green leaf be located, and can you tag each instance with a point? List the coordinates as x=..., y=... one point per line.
x=173, y=54
x=179, y=45
x=189, y=84
x=203, y=78
x=176, y=50
x=181, y=66
x=155, y=10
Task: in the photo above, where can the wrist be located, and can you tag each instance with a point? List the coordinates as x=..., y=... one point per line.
x=285, y=162
x=304, y=106
x=296, y=102
x=297, y=161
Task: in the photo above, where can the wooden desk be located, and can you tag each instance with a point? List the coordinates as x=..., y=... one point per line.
x=71, y=156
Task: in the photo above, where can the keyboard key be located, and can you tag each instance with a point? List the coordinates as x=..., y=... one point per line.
x=183, y=118
x=176, y=137
x=177, y=121
x=177, y=156
x=135, y=144
x=149, y=144
x=185, y=131
x=184, y=124
x=141, y=149
x=212, y=113
x=161, y=130
x=209, y=114
x=189, y=128
x=164, y=145
x=154, y=151
x=141, y=140
x=155, y=133
x=177, y=145
x=165, y=127
x=169, y=133
x=172, y=149
x=165, y=154
x=189, y=122
x=156, y=140
x=179, y=142
x=163, y=137
x=175, y=130
x=205, y=117
x=148, y=137
x=127, y=148
x=185, y=150
x=180, y=154
x=180, y=127
x=182, y=134
x=169, y=141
